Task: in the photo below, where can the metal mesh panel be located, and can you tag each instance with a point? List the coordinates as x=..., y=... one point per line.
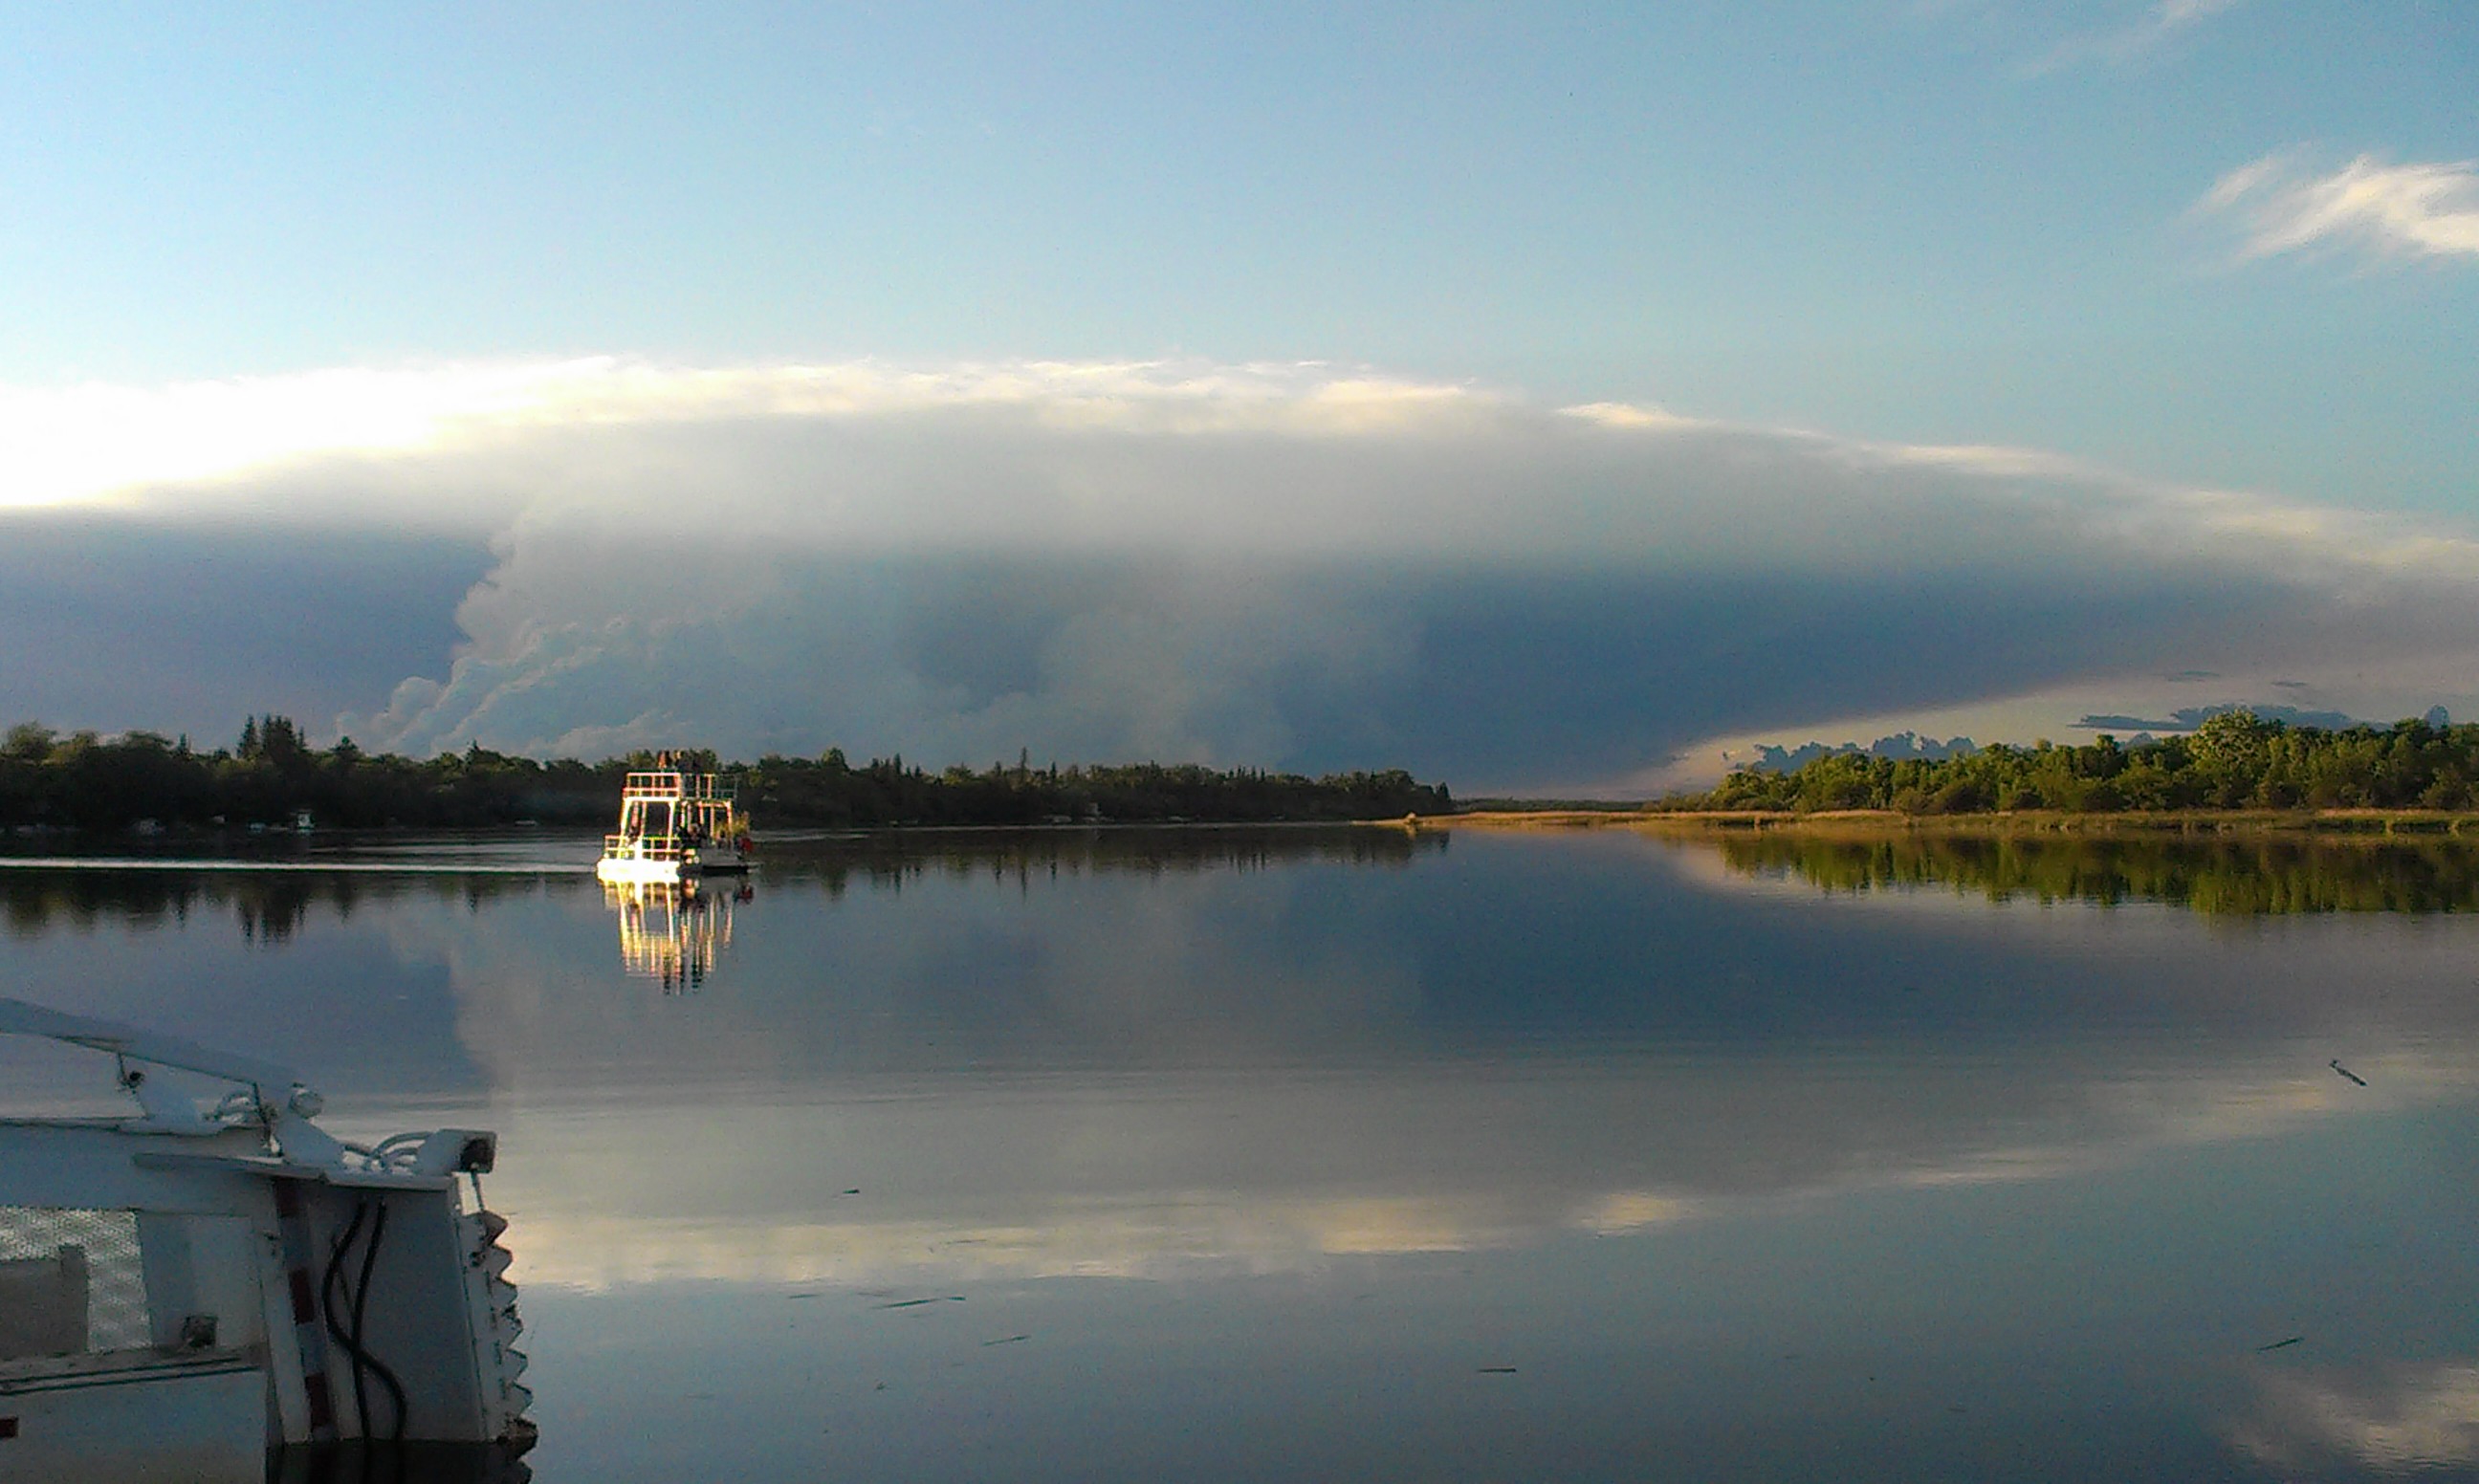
x=106, y=1242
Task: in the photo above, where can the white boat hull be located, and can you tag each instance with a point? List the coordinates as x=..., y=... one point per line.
x=623, y=871
x=632, y=871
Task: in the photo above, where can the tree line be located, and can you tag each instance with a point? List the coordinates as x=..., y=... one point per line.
x=2235, y=760
x=830, y=790
x=142, y=780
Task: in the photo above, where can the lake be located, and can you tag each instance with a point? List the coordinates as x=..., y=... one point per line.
x=1370, y=1153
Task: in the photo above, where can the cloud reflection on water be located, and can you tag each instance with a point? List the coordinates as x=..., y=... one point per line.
x=1286, y=1175
x=1141, y=1055
x=1681, y=1143
x=2400, y=1418
x=1225, y=1073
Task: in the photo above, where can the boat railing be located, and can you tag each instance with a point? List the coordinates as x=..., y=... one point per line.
x=703, y=787
x=645, y=847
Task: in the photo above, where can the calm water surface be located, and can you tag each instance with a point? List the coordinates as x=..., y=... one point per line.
x=1267, y=1155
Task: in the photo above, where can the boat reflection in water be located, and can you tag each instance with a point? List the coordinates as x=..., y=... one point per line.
x=673, y=932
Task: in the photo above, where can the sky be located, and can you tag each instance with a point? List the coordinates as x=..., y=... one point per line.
x=1540, y=398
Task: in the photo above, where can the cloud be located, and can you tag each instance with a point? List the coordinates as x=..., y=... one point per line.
x=1287, y=565
x=2419, y=211
x=2188, y=718
x=183, y=627
x=203, y=443
x=2158, y=26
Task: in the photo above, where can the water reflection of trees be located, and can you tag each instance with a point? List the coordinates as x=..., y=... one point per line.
x=890, y=858
x=2224, y=876
x=269, y=907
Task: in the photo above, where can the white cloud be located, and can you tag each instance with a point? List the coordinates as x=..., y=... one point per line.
x=2160, y=25
x=1137, y=457
x=126, y=446
x=2176, y=14
x=2421, y=211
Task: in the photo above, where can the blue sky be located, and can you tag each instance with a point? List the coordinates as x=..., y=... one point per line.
x=2091, y=231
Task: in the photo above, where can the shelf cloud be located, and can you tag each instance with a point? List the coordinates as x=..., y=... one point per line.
x=1296, y=565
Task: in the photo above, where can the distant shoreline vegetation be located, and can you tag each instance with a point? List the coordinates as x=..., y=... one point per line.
x=145, y=782
x=2235, y=760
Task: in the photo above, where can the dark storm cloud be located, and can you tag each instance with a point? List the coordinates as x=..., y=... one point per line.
x=189, y=627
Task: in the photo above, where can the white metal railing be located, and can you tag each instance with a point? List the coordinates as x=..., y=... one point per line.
x=667, y=815
x=697, y=787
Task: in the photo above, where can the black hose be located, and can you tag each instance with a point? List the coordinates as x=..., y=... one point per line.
x=361, y=1299
x=335, y=1296
x=329, y=1289
x=361, y=1304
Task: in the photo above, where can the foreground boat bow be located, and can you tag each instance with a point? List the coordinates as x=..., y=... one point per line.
x=182, y=1290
